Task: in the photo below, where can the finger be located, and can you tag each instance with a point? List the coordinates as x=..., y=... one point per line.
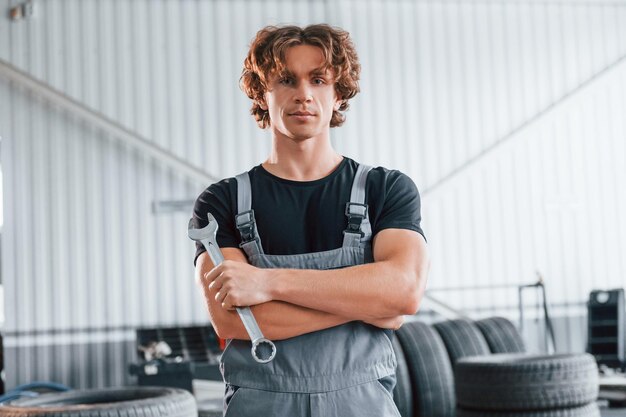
x=217, y=283
x=220, y=296
x=228, y=302
x=213, y=273
x=227, y=306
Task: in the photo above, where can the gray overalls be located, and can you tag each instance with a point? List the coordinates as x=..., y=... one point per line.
x=344, y=371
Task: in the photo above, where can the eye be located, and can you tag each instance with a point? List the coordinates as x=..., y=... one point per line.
x=285, y=81
x=319, y=81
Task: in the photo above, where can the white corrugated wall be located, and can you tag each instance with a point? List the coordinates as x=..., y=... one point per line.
x=507, y=116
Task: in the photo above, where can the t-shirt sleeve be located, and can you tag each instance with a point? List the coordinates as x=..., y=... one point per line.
x=217, y=200
x=402, y=205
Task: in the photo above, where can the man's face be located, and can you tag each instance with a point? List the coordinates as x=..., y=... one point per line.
x=302, y=101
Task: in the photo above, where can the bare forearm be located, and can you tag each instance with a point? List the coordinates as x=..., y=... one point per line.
x=364, y=292
x=391, y=286
x=277, y=320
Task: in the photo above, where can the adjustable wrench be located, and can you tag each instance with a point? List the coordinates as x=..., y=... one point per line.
x=207, y=236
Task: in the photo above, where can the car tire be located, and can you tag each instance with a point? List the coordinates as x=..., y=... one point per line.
x=462, y=338
x=117, y=402
x=501, y=335
x=430, y=371
x=526, y=382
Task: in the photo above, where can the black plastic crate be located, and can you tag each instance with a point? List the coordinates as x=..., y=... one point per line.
x=195, y=355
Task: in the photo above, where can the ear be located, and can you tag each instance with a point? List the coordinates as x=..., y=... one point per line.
x=262, y=104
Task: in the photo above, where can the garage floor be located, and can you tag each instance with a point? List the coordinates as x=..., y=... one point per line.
x=613, y=412
x=209, y=396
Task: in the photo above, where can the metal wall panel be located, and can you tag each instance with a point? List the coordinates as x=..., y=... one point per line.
x=547, y=199
x=506, y=115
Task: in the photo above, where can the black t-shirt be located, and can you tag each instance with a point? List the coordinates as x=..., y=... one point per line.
x=296, y=217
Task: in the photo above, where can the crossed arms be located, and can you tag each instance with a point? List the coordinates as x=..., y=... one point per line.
x=291, y=302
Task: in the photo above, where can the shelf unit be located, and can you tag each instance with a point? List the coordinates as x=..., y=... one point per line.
x=607, y=327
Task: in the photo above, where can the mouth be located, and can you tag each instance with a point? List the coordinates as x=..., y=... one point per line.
x=302, y=114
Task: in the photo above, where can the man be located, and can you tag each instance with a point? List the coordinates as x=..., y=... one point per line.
x=333, y=254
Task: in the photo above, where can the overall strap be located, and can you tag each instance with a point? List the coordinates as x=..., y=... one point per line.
x=359, y=227
x=244, y=220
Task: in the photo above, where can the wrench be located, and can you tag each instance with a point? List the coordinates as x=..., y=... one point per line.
x=207, y=236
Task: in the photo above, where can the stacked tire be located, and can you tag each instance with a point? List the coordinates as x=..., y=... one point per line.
x=462, y=338
x=501, y=335
x=493, y=377
x=110, y=402
x=425, y=386
x=522, y=385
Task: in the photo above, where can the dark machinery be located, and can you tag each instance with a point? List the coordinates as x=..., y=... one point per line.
x=607, y=327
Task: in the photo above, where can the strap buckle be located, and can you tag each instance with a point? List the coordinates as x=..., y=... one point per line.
x=356, y=213
x=246, y=225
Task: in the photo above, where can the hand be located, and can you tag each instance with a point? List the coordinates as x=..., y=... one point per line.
x=239, y=284
x=392, y=323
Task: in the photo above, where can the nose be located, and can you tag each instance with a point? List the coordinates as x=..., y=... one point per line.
x=303, y=93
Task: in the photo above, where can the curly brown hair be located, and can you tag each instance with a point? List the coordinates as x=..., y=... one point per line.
x=267, y=57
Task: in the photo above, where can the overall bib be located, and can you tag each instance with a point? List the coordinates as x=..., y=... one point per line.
x=344, y=371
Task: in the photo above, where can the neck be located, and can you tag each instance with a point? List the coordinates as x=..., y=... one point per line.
x=302, y=160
